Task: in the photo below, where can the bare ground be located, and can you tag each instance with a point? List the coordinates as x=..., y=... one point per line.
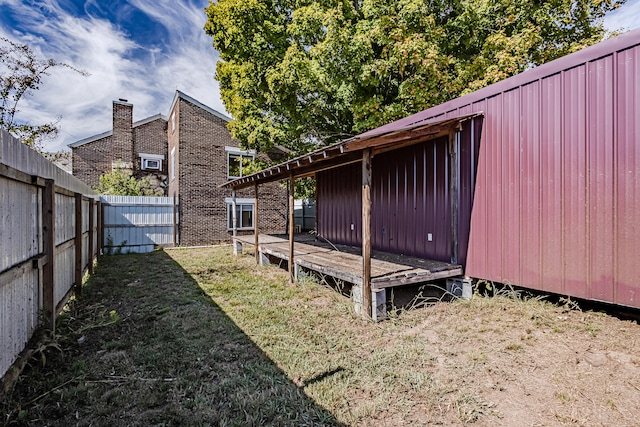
x=201, y=338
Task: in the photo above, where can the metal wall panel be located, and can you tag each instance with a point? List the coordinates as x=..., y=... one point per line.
x=574, y=174
x=137, y=224
x=65, y=209
x=600, y=148
x=64, y=272
x=411, y=206
x=627, y=189
x=19, y=310
x=19, y=215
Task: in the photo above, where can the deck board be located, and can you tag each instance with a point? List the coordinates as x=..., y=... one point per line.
x=345, y=262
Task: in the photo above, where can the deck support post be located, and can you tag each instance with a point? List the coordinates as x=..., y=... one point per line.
x=292, y=261
x=255, y=224
x=454, y=177
x=366, y=234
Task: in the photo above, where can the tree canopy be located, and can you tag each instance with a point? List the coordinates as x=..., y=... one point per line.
x=21, y=73
x=299, y=73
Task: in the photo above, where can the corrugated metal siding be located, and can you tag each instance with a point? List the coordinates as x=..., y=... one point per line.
x=410, y=198
x=627, y=176
x=19, y=310
x=19, y=209
x=137, y=224
x=64, y=272
x=557, y=197
x=21, y=239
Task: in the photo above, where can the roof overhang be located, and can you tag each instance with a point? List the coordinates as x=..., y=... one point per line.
x=350, y=151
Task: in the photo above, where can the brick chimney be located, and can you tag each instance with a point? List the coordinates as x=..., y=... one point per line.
x=122, y=138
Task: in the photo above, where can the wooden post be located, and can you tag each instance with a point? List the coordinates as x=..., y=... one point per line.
x=92, y=225
x=255, y=223
x=366, y=233
x=292, y=270
x=453, y=193
x=77, y=281
x=49, y=249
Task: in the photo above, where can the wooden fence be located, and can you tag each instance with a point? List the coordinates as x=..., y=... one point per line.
x=49, y=237
x=138, y=224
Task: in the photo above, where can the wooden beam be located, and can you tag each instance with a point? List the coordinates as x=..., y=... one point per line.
x=255, y=223
x=49, y=247
x=366, y=233
x=77, y=281
x=454, y=177
x=292, y=190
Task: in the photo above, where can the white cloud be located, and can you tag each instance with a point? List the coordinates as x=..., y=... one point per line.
x=118, y=67
x=627, y=17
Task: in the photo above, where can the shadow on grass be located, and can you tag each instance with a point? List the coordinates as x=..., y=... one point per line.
x=144, y=345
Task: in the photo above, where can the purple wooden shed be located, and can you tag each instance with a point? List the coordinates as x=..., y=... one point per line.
x=533, y=181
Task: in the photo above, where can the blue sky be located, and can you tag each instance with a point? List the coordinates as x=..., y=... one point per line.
x=140, y=50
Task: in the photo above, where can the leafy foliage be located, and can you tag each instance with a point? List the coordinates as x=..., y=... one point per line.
x=303, y=73
x=120, y=182
x=21, y=73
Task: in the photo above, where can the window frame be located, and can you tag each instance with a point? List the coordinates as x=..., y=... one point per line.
x=241, y=203
x=146, y=158
x=242, y=154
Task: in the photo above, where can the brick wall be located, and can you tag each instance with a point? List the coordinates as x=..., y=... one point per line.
x=202, y=168
x=91, y=160
x=122, y=138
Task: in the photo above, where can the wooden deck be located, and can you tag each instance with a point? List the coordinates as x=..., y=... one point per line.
x=345, y=262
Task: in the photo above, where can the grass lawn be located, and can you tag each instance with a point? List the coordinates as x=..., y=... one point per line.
x=198, y=337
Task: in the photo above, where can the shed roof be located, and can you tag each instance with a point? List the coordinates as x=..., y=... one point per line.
x=350, y=150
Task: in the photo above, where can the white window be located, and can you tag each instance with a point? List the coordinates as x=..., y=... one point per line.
x=244, y=214
x=173, y=163
x=236, y=159
x=173, y=122
x=151, y=161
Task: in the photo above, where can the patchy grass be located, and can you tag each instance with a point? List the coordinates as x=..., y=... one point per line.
x=198, y=337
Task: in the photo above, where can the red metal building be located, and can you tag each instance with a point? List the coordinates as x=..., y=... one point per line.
x=533, y=181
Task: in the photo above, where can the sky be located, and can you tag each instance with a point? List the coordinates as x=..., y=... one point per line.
x=139, y=50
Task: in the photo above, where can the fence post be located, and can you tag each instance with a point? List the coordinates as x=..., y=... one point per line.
x=91, y=227
x=49, y=246
x=77, y=285
x=100, y=246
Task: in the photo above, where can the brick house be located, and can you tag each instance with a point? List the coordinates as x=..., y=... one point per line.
x=186, y=155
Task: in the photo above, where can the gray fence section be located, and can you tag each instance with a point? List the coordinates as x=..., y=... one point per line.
x=138, y=224
x=48, y=238
x=304, y=211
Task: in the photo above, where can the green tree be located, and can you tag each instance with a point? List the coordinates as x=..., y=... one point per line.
x=302, y=73
x=21, y=74
x=120, y=182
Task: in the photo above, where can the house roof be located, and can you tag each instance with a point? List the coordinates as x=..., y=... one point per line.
x=110, y=132
x=350, y=150
x=197, y=103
